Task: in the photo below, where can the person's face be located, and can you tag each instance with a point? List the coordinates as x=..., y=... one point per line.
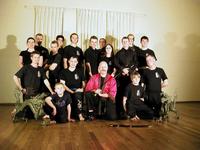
x=54, y=47
x=103, y=68
x=60, y=42
x=59, y=89
x=125, y=43
x=73, y=62
x=150, y=61
x=108, y=49
x=31, y=44
x=131, y=40
x=35, y=58
x=144, y=43
x=39, y=39
x=136, y=80
x=93, y=43
x=102, y=43
x=74, y=39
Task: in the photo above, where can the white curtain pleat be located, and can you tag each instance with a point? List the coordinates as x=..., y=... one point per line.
x=49, y=22
x=89, y=23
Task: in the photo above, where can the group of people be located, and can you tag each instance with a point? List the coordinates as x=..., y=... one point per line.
x=93, y=84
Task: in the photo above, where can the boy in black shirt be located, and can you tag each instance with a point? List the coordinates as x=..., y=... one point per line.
x=144, y=51
x=53, y=64
x=58, y=106
x=73, y=50
x=73, y=80
x=92, y=57
x=133, y=100
x=154, y=79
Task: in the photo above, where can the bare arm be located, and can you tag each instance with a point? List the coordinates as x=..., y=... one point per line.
x=164, y=83
x=53, y=66
x=49, y=102
x=41, y=61
x=18, y=82
x=66, y=88
x=65, y=63
x=89, y=68
x=124, y=103
x=21, y=61
x=46, y=82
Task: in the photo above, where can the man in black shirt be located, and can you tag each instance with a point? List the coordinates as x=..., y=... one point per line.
x=102, y=45
x=73, y=50
x=154, y=79
x=144, y=51
x=92, y=57
x=125, y=61
x=53, y=64
x=74, y=83
x=38, y=47
x=31, y=77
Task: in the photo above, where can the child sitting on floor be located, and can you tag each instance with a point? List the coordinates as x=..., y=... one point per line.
x=58, y=106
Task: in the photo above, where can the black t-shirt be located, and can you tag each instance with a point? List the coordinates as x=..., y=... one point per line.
x=57, y=58
x=70, y=51
x=61, y=106
x=152, y=79
x=134, y=93
x=73, y=80
x=31, y=77
x=92, y=57
x=43, y=52
x=110, y=62
x=26, y=55
x=125, y=59
x=142, y=56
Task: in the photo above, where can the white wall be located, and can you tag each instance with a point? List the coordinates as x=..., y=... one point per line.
x=172, y=25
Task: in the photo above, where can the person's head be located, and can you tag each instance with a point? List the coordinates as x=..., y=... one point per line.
x=30, y=43
x=135, y=77
x=35, y=57
x=73, y=61
x=39, y=38
x=74, y=38
x=93, y=42
x=151, y=61
x=54, y=46
x=131, y=39
x=125, y=42
x=103, y=68
x=109, y=49
x=102, y=43
x=144, y=41
x=59, y=88
x=60, y=39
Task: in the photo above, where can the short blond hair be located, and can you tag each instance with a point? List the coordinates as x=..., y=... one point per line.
x=134, y=74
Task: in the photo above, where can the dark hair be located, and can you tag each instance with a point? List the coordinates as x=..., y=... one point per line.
x=112, y=53
x=125, y=37
x=39, y=34
x=72, y=35
x=54, y=42
x=60, y=36
x=93, y=37
x=144, y=38
x=35, y=52
x=30, y=38
x=103, y=39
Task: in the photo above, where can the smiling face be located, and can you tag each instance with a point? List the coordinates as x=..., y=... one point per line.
x=109, y=49
x=60, y=42
x=74, y=39
x=39, y=39
x=30, y=44
x=125, y=43
x=102, y=43
x=54, y=47
x=151, y=61
x=59, y=89
x=35, y=58
x=73, y=61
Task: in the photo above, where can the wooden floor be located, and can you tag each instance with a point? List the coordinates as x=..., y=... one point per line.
x=182, y=134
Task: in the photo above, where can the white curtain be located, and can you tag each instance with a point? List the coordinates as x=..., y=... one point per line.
x=49, y=22
x=119, y=24
x=108, y=24
x=89, y=23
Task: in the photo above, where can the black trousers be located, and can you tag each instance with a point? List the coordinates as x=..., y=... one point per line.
x=141, y=110
x=103, y=107
x=77, y=104
x=61, y=115
x=153, y=101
